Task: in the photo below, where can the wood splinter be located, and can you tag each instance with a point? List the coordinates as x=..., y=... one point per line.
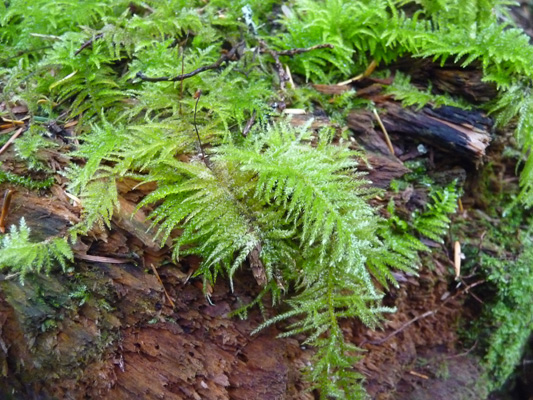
x=5, y=209
x=11, y=140
x=368, y=71
x=385, y=133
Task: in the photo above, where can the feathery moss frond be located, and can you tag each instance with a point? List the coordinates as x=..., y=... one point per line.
x=21, y=255
x=434, y=222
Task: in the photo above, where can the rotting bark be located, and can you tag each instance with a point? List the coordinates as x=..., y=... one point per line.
x=125, y=341
x=447, y=128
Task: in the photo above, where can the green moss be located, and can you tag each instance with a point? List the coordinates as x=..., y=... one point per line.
x=24, y=181
x=498, y=248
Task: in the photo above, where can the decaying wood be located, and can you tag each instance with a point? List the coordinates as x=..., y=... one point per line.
x=332, y=89
x=5, y=209
x=382, y=166
x=464, y=133
x=258, y=269
x=448, y=128
x=105, y=331
x=463, y=82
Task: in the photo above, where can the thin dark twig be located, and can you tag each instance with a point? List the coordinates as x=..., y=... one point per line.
x=283, y=77
x=463, y=353
x=293, y=52
x=249, y=124
x=472, y=294
x=424, y=315
x=89, y=43
x=197, y=96
x=229, y=56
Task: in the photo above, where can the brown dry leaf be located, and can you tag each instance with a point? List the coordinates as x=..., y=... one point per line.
x=70, y=124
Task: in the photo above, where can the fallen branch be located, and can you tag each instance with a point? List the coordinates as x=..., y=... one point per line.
x=421, y=316
x=229, y=56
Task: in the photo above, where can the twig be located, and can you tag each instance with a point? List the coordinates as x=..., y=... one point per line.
x=249, y=125
x=163, y=286
x=88, y=43
x=197, y=96
x=472, y=294
x=403, y=327
x=418, y=375
x=464, y=353
x=11, y=140
x=424, y=315
x=283, y=77
x=229, y=56
x=368, y=71
x=13, y=122
x=5, y=209
x=182, y=69
x=387, y=138
x=293, y=52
